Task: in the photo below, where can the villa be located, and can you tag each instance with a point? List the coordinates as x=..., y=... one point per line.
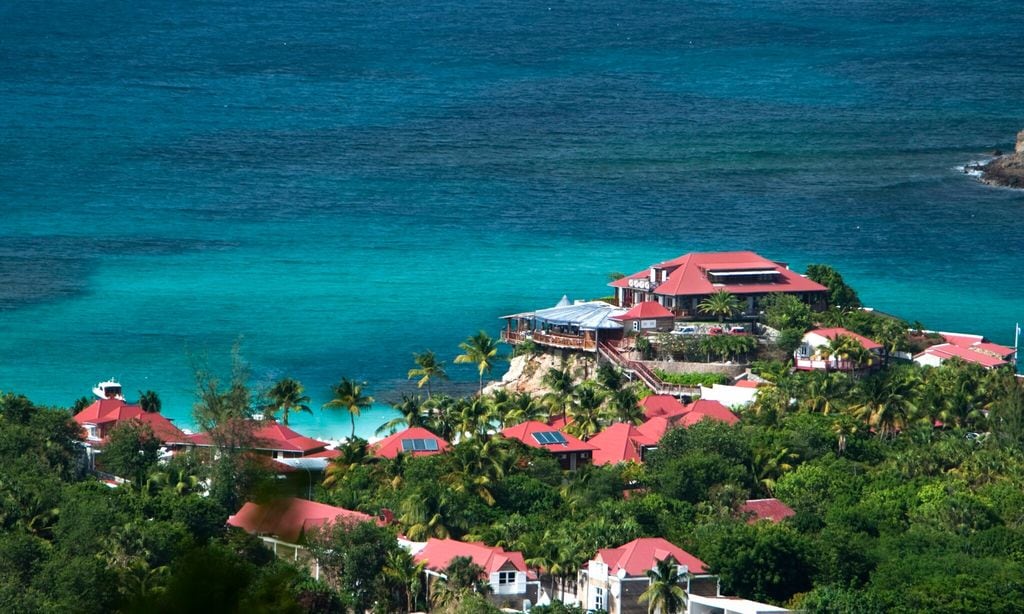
x=100, y=418
x=770, y=510
x=616, y=577
x=678, y=414
x=682, y=283
x=570, y=451
x=511, y=581
x=285, y=524
x=274, y=440
x=814, y=355
x=416, y=441
x=969, y=348
x=620, y=443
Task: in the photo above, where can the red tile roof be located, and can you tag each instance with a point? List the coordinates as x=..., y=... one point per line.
x=524, y=433
x=663, y=405
x=945, y=351
x=766, y=509
x=641, y=555
x=994, y=349
x=391, y=446
x=646, y=309
x=962, y=339
x=107, y=411
x=620, y=443
x=701, y=408
x=654, y=428
x=270, y=435
x=832, y=333
x=688, y=275
x=438, y=554
x=747, y=383
x=289, y=518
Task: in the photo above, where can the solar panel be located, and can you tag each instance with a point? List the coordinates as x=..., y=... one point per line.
x=545, y=438
x=419, y=445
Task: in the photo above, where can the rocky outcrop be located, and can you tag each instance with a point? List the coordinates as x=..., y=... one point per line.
x=1006, y=171
x=526, y=373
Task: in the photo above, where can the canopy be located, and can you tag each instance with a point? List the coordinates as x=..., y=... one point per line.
x=591, y=315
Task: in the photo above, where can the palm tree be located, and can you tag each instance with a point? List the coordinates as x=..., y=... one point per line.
x=423, y=514
x=348, y=395
x=610, y=377
x=823, y=392
x=722, y=304
x=355, y=452
x=844, y=427
x=480, y=350
x=625, y=405
x=561, y=385
x=665, y=594
x=285, y=397
x=404, y=571
x=886, y=403
x=428, y=368
x=472, y=417
x=524, y=407
x=149, y=402
x=587, y=400
x=412, y=410
x=845, y=349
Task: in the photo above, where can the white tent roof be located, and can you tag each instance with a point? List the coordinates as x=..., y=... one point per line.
x=591, y=315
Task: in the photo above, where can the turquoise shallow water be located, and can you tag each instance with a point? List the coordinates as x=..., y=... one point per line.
x=344, y=185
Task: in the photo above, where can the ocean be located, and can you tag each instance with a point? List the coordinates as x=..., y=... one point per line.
x=340, y=185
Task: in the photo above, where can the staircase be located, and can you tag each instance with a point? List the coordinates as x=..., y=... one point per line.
x=642, y=372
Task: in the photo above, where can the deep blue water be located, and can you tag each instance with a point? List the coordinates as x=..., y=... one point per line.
x=343, y=184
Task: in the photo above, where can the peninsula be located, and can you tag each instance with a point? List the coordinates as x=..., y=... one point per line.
x=1006, y=170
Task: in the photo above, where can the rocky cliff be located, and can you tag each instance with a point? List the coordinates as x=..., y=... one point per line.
x=526, y=373
x=1007, y=170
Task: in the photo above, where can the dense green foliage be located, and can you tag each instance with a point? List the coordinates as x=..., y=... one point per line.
x=908, y=487
x=69, y=543
x=692, y=379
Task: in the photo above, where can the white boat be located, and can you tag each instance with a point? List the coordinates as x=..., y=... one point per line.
x=109, y=389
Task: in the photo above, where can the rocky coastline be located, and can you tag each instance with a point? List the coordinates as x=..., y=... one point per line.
x=1004, y=170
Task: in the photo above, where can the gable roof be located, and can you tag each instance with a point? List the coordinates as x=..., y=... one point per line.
x=107, y=411
x=438, y=554
x=270, y=435
x=391, y=446
x=687, y=275
x=641, y=555
x=289, y=518
x=654, y=429
x=663, y=405
x=945, y=351
x=646, y=309
x=525, y=430
x=766, y=509
x=619, y=443
x=832, y=333
x=702, y=408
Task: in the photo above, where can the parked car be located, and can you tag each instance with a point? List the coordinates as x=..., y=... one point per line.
x=715, y=330
x=737, y=330
x=685, y=330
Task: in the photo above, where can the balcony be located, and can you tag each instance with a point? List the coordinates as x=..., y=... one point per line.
x=555, y=340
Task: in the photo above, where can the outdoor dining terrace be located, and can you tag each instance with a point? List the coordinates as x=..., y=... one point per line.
x=586, y=342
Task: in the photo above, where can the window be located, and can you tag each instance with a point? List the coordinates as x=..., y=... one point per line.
x=506, y=577
x=636, y=325
x=598, y=598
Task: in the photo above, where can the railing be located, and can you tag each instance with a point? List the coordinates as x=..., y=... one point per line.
x=642, y=372
x=571, y=342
